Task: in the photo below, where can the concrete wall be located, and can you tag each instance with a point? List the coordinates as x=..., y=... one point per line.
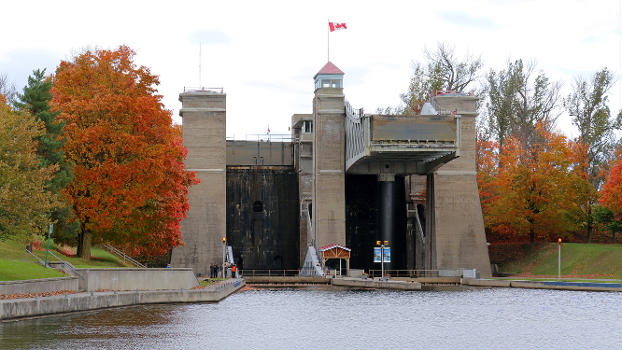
x=460, y=240
x=136, y=279
x=303, y=161
x=19, y=308
x=259, y=153
x=375, y=284
x=204, y=127
x=329, y=167
x=41, y=285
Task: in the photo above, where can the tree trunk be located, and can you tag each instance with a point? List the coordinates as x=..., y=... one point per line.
x=84, y=244
x=532, y=231
x=590, y=224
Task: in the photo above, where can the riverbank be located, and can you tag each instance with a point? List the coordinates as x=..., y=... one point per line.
x=15, y=309
x=428, y=283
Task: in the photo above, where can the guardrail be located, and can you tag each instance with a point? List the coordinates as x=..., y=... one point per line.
x=404, y=273
x=121, y=254
x=275, y=273
x=356, y=128
x=36, y=257
x=67, y=267
x=218, y=90
x=263, y=138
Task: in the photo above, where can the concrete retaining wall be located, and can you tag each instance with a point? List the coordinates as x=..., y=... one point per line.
x=41, y=285
x=485, y=283
x=133, y=279
x=286, y=279
x=20, y=308
x=568, y=286
x=360, y=283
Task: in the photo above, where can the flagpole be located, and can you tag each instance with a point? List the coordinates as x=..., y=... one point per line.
x=328, y=41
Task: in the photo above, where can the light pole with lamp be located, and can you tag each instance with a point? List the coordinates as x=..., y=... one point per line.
x=383, y=245
x=224, y=255
x=559, y=258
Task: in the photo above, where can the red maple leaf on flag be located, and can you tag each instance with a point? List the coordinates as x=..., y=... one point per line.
x=336, y=26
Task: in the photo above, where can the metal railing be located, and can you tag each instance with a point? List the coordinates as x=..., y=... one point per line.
x=217, y=90
x=269, y=273
x=355, y=126
x=67, y=267
x=121, y=254
x=404, y=273
x=34, y=256
x=263, y=138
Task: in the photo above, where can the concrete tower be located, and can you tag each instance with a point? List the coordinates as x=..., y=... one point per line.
x=459, y=240
x=204, y=134
x=329, y=157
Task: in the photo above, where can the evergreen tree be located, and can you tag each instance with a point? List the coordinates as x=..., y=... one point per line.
x=35, y=100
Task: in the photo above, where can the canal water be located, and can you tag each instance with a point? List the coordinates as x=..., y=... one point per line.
x=340, y=319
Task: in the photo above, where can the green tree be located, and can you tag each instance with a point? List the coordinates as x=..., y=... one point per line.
x=442, y=70
x=517, y=102
x=587, y=104
x=607, y=220
x=24, y=200
x=35, y=100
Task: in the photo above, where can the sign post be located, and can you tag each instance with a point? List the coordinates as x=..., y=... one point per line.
x=382, y=254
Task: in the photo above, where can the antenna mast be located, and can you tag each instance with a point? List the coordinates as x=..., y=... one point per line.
x=200, y=61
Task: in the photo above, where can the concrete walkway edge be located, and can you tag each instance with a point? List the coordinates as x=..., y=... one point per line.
x=14, y=309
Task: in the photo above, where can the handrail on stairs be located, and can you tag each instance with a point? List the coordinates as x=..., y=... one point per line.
x=121, y=254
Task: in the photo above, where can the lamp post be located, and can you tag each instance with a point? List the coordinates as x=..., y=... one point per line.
x=224, y=255
x=382, y=245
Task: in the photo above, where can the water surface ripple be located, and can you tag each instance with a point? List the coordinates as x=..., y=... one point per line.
x=339, y=319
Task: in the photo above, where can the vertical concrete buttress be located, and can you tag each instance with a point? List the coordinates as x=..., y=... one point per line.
x=204, y=135
x=459, y=240
x=329, y=201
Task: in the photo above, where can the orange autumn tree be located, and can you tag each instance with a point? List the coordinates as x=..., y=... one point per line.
x=611, y=192
x=533, y=194
x=130, y=186
x=486, y=153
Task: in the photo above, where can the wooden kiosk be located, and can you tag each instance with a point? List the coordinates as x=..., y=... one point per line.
x=335, y=251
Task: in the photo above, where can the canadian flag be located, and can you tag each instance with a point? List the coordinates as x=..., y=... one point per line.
x=336, y=26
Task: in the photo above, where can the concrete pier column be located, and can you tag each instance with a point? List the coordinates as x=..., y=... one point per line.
x=459, y=240
x=387, y=209
x=430, y=225
x=204, y=116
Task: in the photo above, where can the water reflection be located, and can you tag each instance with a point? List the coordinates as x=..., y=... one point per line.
x=303, y=319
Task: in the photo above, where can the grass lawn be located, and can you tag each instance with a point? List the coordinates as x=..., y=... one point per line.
x=12, y=270
x=13, y=264
x=579, y=260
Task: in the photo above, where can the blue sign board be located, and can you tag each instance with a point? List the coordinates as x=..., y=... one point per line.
x=377, y=254
x=387, y=254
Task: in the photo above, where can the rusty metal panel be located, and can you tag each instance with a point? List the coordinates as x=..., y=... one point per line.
x=400, y=128
x=262, y=216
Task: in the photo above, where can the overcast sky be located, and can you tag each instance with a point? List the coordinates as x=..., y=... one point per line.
x=265, y=53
